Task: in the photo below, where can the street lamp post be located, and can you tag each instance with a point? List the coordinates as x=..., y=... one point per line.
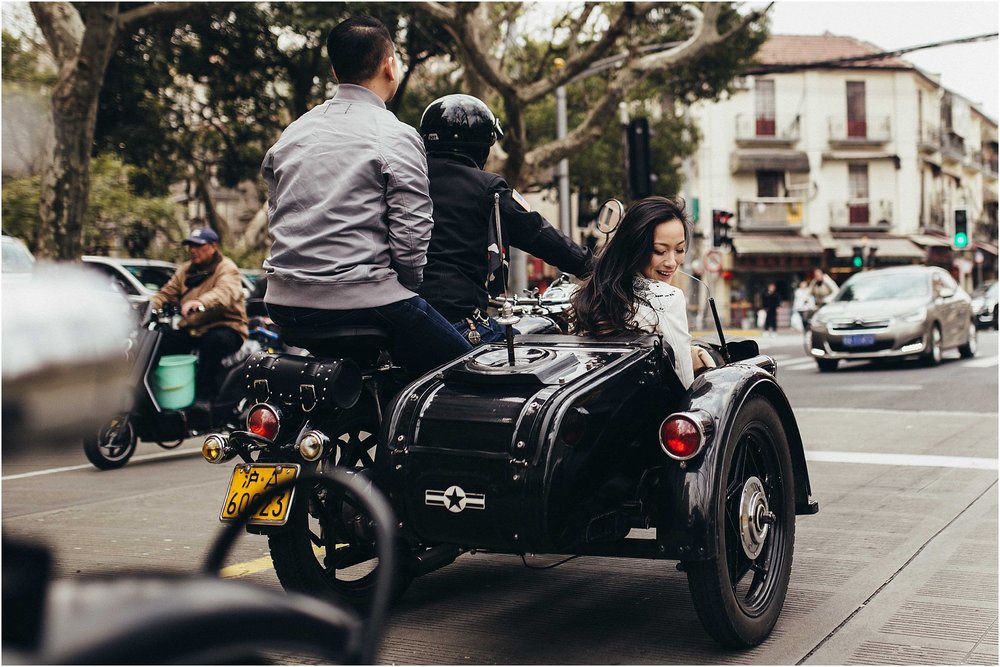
x=562, y=169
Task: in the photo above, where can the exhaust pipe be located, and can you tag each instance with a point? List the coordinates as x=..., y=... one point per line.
x=433, y=559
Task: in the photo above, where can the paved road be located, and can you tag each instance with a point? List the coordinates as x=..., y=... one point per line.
x=899, y=567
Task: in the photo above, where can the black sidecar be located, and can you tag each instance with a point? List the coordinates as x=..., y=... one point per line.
x=581, y=441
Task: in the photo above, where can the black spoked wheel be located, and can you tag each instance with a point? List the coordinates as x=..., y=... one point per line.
x=328, y=548
x=739, y=594
x=113, y=445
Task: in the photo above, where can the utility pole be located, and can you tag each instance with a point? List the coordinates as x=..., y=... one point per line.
x=562, y=169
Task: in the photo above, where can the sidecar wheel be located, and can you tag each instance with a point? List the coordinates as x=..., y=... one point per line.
x=113, y=445
x=739, y=594
x=328, y=548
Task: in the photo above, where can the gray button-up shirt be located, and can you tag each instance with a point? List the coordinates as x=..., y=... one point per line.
x=349, y=214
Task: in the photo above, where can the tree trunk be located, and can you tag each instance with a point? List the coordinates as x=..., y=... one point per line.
x=66, y=178
x=213, y=218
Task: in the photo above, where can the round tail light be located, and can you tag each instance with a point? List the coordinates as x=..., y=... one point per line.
x=263, y=421
x=681, y=436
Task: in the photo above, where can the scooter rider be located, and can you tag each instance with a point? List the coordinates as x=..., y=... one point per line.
x=462, y=262
x=214, y=317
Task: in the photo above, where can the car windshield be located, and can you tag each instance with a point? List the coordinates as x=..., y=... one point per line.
x=16, y=258
x=877, y=286
x=151, y=277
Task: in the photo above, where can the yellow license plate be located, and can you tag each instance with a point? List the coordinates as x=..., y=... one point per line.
x=251, y=480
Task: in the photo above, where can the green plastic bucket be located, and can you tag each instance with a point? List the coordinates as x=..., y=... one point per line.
x=174, y=383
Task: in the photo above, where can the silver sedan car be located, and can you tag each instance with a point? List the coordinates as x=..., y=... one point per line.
x=895, y=312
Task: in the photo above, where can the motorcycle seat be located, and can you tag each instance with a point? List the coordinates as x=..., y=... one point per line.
x=362, y=343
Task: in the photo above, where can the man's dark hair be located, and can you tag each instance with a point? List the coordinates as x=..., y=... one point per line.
x=356, y=48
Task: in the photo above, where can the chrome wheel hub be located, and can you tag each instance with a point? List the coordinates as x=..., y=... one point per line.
x=755, y=518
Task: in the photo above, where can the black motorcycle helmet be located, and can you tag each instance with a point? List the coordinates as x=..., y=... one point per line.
x=460, y=124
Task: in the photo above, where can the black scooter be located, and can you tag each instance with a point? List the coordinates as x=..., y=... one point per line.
x=144, y=418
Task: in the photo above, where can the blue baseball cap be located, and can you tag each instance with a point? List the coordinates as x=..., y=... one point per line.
x=201, y=237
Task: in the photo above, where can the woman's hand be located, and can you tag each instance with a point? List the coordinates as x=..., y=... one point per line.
x=701, y=359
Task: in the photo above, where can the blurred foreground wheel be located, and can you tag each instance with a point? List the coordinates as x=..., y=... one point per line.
x=739, y=594
x=932, y=357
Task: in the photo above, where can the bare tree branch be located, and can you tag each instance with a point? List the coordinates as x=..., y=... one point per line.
x=131, y=18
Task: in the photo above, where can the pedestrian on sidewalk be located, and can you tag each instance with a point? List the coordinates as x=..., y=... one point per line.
x=803, y=305
x=771, y=301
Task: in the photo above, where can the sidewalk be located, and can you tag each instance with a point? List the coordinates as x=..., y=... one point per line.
x=941, y=608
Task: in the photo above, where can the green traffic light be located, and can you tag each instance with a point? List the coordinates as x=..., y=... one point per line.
x=961, y=240
x=858, y=262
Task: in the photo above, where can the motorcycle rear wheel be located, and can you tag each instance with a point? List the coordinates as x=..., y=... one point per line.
x=327, y=549
x=112, y=446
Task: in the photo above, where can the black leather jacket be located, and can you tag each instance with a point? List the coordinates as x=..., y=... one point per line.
x=457, y=270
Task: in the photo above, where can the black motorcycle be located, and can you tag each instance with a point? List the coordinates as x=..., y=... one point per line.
x=547, y=444
x=144, y=418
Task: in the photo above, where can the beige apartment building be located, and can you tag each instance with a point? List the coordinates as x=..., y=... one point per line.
x=840, y=156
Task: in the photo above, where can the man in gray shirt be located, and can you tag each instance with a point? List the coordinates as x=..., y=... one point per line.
x=349, y=212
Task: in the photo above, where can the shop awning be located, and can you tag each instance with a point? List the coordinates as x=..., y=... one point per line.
x=860, y=156
x=928, y=241
x=749, y=161
x=776, y=244
x=886, y=248
x=987, y=247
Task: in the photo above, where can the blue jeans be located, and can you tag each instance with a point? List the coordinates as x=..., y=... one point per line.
x=420, y=338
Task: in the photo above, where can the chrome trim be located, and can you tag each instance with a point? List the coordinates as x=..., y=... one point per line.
x=274, y=410
x=701, y=419
x=324, y=443
x=222, y=440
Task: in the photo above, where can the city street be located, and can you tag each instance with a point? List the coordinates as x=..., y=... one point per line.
x=898, y=567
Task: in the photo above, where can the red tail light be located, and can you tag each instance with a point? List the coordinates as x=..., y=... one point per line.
x=263, y=421
x=681, y=436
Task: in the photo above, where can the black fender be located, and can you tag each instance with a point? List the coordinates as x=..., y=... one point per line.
x=685, y=516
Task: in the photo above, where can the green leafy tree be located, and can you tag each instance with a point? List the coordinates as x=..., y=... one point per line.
x=115, y=216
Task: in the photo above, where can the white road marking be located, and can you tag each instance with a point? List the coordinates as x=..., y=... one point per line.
x=882, y=387
x=981, y=362
x=920, y=460
x=85, y=466
x=992, y=416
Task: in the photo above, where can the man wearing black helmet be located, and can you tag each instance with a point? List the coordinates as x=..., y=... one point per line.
x=458, y=131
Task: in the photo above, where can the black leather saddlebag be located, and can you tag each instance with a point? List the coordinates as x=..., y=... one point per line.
x=302, y=383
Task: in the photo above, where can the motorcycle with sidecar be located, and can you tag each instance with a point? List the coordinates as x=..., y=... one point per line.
x=547, y=444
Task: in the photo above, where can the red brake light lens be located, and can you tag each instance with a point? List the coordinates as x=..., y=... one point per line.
x=680, y=437
x=263, y=421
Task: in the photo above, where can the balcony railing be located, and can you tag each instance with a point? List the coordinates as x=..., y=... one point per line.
x=770, y=213
x=930, y=138
x=851, y=131
x=952, y=146
x=756, y=129
x=935, y=219
x=861, y=214
x=989, y=164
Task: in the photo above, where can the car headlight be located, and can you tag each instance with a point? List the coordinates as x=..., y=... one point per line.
x=918, y=315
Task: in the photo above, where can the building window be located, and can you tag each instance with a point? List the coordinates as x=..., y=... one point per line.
x=770, y=183
x=857, y=125
x=764, y=100
x=857, y=187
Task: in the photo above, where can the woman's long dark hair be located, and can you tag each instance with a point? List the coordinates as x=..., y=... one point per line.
x=605, y=303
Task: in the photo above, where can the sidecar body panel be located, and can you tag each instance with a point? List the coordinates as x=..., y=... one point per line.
x=560, y=453
x=496, y=459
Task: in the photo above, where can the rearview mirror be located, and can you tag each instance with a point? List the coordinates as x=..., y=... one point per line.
x=610, y=216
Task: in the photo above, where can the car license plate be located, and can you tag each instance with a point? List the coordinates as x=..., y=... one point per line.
x=859, y=340
x=249, y=481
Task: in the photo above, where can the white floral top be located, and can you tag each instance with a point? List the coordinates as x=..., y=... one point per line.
x=661, y=309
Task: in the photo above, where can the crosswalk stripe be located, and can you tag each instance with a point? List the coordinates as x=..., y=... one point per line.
x=981, y=362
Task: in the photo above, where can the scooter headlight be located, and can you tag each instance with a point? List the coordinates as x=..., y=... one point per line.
x=312, y=445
